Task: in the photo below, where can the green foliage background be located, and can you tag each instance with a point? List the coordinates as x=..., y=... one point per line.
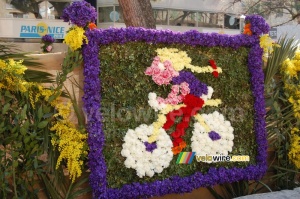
x=124, y=103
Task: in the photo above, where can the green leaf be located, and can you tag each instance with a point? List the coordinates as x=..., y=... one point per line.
x=35, y=163
x=1, y=125
x=23, y=112
x=46, y=109
x=42, y=124
x=8, y=94
x=5, y=108
x=40, y=113
x=15, y=164
x=26, y=140
x=26, y=124
x=23, y=130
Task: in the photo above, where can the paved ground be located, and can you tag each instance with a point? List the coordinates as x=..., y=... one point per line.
x=285, y=194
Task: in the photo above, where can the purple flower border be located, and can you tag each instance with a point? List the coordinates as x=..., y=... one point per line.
x=175, y=184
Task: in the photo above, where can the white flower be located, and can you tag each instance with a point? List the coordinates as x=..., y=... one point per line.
x=152, y=101
x=125, y=152
x=143, y=161
x=140, y=172
x=152, y=96
x=210, y=91
x=158, y=169
x=161, y=66
x=202, y=144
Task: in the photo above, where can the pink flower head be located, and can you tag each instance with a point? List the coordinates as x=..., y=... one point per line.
x=168, y=64
x=162, y=73
x=49, y=48
x=160, y=100
x=156, y=71
x=166, y=75
x=149, y=71
x=184, y=88
x=175, y=89
x=158, y=80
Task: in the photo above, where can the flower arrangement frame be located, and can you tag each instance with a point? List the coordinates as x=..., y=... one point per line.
x=175, y=184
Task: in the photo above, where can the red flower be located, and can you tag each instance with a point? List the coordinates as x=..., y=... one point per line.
x=171, y=117
x=247, y=29
x=182, y=144
x=176, y=134
x=177, y=141
x=92, y=26
x=193, y=101
x=213, y=64
x=187, y=110
x=182, y=125
x=215, y=74
x=168, y=124
x=176, y=150
x=186, y=119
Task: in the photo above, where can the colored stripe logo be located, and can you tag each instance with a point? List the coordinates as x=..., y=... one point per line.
x=185, y=158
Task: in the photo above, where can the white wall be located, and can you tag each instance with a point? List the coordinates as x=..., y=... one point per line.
x=289, y=30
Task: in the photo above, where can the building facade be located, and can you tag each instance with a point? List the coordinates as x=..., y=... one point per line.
x=220, y=16
x=178, y=15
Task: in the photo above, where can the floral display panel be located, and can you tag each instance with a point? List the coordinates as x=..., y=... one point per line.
x=171, y=112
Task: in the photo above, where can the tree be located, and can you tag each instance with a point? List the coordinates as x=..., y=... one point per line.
x=276, y=8
x=59, y=6
x=28, y=6
x=138, y=13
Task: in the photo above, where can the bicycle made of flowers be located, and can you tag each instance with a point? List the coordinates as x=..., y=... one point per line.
x=148, y=148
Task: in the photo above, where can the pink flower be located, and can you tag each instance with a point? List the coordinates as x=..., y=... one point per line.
x=175, y=89
x=49, y=48
x=172, y=95
x=184, y=85
x=185, y=92
x=161, y=73
x=174, y=101
x=180, y=98
x=158, y=80
x=175, y=73
x=160, y=100
x=168, y=64
x=149, y=71
x=156, y=71
x=184, y=88
x=166, y=74
x=156, y=59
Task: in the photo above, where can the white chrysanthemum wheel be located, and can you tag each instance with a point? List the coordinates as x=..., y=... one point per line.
x=140, y=157
x=214, y=137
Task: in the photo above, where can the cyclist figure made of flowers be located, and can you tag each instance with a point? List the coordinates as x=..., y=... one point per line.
x=148, y=148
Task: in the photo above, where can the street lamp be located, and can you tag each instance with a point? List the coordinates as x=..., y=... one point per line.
x=242, y=23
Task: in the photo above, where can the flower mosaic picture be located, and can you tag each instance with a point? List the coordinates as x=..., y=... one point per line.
x=151, y=95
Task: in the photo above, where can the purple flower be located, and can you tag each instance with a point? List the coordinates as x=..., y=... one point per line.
x=258, y=25
x=150, y=146
x=197, y=88
x=79, y=13
x=48, y=39
x=214, y=135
